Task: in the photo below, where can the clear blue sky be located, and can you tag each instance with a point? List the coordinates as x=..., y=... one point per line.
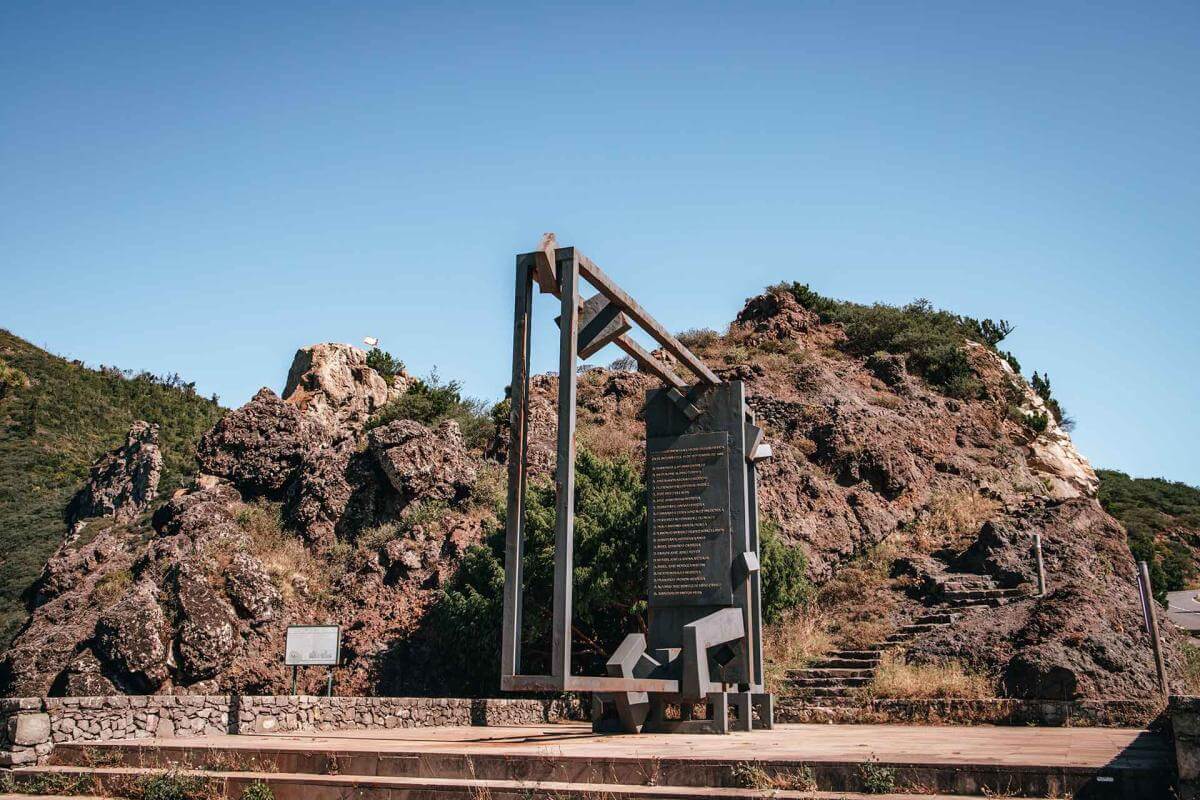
x=204, y=189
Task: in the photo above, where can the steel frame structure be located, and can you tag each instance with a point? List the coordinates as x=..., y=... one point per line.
x=582, y=329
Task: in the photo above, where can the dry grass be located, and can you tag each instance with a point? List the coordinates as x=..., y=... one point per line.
x=952, y=520
x=793, y=642
x=619, y=436
x=895, y=679
x=858, y=602
x=285, y=557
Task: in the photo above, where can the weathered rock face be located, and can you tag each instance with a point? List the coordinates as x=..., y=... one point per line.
x=260, y=446
x=123, y=483
x=131, y=637
x=332, y=384
x=1085, y=638
x=423, y=463
x=199, y=602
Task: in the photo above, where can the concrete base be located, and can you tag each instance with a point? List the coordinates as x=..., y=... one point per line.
x=1032, y=762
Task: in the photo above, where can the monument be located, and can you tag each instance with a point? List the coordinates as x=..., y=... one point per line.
x=701, y=657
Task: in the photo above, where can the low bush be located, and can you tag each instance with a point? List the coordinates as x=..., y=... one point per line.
x=385, y=364
x=930, y=339
x=430, y=401
x=609, y=579
x=176, y=785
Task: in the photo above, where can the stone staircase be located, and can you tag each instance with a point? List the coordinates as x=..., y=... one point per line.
x=960, y=590
x=836, y=678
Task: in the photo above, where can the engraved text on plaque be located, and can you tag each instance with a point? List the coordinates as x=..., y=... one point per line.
x=688, y=483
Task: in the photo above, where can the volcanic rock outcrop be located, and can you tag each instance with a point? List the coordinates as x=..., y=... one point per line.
x=305, y=513
x=123, y=483
x=197, y=600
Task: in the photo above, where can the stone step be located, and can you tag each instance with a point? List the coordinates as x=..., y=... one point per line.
x=846, y=663
x=830, y=673
x=937, y=618
x=811, y=682
x=864, y=653
x=825, y=691
x=988, y=602
x=980, y=594
x=922, y=627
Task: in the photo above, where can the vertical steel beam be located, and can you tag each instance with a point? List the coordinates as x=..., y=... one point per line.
x=514, y=546
x=564, y=529
x=754, y=625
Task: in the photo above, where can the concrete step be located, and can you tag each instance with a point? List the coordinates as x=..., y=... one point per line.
x=299, y=786
x=1001, y=763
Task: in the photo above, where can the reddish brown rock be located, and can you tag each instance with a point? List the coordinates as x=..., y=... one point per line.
x=421, y=462
x=123, y=483
x=260, y=446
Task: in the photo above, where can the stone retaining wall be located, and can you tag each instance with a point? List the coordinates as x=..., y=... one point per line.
x=31, y=726
x=991, y=711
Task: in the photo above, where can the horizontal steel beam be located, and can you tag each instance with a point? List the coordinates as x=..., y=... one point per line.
x=595, y=276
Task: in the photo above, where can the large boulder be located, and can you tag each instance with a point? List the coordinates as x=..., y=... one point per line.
x=122, y=483
x=259, y=446
x=332, y=384
x=207, y=632
x=249, y=586
x=84, y=677
x=423, y=463
x=131, y=640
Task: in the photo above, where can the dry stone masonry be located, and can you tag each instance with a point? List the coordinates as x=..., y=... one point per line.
x=31, y=726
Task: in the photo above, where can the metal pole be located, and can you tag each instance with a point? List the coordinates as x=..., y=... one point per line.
x=1041, y=566
x=1151, y=618
x=329, y=684
x=294, y=668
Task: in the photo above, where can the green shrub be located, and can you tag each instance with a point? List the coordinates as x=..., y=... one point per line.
x=176, y=785
x=430, y=402
x=877, y=778
x=258, y=790
x=609, y=579
x=930, y=339
x=1152, y=511
x=1041, y=385
x=384, y=363
x=784, y=580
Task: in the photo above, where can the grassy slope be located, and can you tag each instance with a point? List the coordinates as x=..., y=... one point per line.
x=50, y=432
x=1163, y=521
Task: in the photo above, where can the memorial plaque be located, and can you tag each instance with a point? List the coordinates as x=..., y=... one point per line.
x=688, y=485
x=311, y=645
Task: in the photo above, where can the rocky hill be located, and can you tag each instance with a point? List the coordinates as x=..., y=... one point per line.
x=56, y=417
x=908, y=453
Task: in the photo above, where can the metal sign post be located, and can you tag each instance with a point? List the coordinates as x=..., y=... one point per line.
x=313, y=645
